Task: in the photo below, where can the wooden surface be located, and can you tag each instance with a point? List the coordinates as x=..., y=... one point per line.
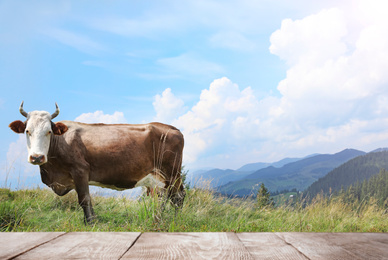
x=131, y=245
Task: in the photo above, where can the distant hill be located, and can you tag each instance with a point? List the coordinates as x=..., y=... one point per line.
x=356, y=170
x=219, y=177
x=299, y=174
x=251, y=167
x=379, y=150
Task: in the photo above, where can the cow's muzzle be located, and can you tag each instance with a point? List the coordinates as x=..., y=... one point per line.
x=37, y=159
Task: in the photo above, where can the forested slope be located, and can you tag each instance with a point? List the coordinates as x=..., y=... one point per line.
x=354, y=171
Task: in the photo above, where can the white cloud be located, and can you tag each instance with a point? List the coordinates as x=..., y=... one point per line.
x=332, y=109
x=214, y=120
x=17, y=159
x=366, y=135
x=334, y=95
x=167, y=106
x=100, y=117
x=334, y=82
x=17, y=172
x=314, y=39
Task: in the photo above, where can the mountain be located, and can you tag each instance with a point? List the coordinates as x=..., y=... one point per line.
x=354, y=171
x=219, y=177
x=251, y=167
x=299, y=174
x=379, y=150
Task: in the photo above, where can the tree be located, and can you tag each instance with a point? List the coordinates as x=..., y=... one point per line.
x=184, y=174
x=263, y=197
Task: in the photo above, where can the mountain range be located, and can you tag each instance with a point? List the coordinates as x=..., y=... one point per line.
x=217, y=177
x=288, y=173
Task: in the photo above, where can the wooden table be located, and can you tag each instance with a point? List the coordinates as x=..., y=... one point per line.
x=93, y=245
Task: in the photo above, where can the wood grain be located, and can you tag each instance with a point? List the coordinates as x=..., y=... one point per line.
x=193, y=245
x=339, y=245
x=268, y=246
x=188, y=246
x=13, y=244
x=84, y=245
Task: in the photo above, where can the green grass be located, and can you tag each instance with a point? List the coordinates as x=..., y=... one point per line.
x=42, y=210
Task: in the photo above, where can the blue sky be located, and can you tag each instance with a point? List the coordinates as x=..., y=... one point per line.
x=245, y=81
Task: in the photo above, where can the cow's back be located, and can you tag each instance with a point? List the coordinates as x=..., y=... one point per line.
x=120, y=155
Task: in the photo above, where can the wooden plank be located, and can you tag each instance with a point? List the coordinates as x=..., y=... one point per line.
x=194, y=245
x=339, y=245
x=365, y=245
x=316, y=246
x=268, y=246
x=85, y=245
x=15, y=243
x=188, y=246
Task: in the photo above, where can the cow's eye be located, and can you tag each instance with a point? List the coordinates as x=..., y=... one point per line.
x=49, y=133
x=28, y=132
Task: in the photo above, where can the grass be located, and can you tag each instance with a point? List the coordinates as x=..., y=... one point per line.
x=203, y=211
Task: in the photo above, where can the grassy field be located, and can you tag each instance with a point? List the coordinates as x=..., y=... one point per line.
x=42, y=210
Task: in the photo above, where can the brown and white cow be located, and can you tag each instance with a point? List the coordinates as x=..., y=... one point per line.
x=74, y=155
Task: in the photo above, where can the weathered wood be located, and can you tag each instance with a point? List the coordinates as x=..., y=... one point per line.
x=85, y=246
x=339, y=245
x=13, y=244
x=268, y=246
x=188, y=246
x=193, y=245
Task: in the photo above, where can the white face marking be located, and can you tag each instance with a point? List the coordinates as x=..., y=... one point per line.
x=38, y=133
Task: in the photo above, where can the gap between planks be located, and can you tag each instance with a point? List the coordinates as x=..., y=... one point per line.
x=29, y=249
x=129, y=248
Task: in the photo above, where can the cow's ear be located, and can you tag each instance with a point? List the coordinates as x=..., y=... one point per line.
x=59, y=128
x=18, y=126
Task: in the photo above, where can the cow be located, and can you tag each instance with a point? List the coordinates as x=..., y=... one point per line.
x=73, y=155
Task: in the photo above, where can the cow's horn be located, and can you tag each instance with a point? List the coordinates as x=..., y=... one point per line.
x=56, y=112
x=24, y=113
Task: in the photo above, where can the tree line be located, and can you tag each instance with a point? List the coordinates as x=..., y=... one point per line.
x=376, y=187
x=348, y=174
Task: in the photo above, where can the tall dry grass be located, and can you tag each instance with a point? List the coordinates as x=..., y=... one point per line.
x=203, y=211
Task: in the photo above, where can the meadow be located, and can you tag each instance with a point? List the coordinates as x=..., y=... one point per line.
x=203, y=211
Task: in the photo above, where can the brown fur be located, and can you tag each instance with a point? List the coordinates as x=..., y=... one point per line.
x=18, y=126
x=59, y=128
x=115, y=156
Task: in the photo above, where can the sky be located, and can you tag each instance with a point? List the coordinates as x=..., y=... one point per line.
x=245, y=81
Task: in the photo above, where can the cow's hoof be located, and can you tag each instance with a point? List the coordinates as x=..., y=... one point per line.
x=90, y=220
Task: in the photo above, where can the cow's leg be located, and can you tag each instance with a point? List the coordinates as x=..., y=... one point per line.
x=175, y=190
x=84, y=199
x=86, y=204
x=177, y=195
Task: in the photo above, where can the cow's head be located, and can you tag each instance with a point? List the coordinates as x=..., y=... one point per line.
x=38, y=128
